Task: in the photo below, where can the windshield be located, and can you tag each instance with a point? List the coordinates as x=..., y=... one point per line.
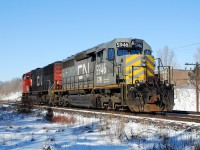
x=121, y=52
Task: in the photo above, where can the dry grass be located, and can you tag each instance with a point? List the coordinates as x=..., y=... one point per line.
x=64, y=119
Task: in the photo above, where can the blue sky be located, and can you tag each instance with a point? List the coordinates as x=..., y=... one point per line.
x=35, y=33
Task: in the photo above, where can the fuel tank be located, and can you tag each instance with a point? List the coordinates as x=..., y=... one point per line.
x=88, y=100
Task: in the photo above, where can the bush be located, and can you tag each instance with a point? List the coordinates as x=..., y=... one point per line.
x=49, y=114
x=64, y=119
x=24, y=108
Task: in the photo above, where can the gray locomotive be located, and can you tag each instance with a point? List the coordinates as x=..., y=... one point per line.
x=119, y=74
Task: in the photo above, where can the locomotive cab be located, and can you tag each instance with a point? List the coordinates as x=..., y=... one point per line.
x=137, y=62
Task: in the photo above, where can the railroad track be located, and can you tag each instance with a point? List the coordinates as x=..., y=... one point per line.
x=182, y=116
x=185, y=116
x=11, y=102
x=176, y=116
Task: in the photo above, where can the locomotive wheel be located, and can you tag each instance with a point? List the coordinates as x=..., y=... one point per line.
x=135, y=108
x=169, y=107
x=51, y=101
x=99, y=105
x=47, y=99
x=38, y=100
x=43, y=99
x=117, y=107
x=65, y=101
x=105, y=106
x=61, y=102
x=152, y=108
x=162, y=106
x=56, y=100
x=110, y=104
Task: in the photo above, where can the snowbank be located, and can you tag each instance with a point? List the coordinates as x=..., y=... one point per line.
x=12, y=96
x=185, y=99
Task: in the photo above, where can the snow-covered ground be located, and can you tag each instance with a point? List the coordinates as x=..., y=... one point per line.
x=32, y=131
x=185, y=99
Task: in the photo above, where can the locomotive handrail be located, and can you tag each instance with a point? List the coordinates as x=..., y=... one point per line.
x=114, y=63
x=73, y=83
x=160, y=65
x=50, y=91
x=133, y=71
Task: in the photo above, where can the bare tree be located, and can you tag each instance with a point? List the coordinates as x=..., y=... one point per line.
x=167, y=57
x=13, y=85
x=192, y=74
x=197, y=55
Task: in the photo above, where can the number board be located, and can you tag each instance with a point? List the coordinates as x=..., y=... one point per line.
x=137, y=44
x=122, y=44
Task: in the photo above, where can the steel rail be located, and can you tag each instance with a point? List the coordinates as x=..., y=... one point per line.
x=157, y=115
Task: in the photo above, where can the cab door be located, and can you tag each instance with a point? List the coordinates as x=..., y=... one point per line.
x=100, y=69
x=111, y=68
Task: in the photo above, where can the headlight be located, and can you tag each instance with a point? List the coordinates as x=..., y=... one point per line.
x=144, y=61
x=166, y=83
x=137, y=83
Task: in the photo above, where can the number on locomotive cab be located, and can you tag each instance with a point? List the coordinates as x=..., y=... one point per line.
x=122, y=44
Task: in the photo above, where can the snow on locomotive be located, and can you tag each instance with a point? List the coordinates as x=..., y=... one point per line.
x=119, y=74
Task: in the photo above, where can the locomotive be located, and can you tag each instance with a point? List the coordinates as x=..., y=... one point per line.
x=119, y=74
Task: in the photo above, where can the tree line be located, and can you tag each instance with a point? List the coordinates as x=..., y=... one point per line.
x=8, y=87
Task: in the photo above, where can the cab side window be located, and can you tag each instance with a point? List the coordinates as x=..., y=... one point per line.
x=93, y=58
x=147, y=52
x=111, y=54
x=100, y=57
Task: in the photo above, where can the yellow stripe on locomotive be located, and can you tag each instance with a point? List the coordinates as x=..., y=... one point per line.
x=139, y=67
